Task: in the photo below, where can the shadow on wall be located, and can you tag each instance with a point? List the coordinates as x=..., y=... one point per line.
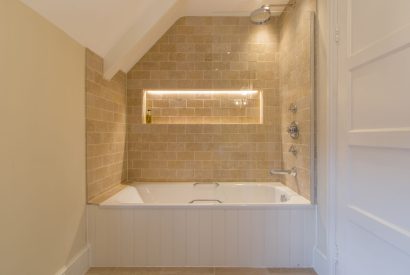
x=78, y=240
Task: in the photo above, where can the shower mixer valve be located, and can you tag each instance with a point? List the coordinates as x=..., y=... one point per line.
x=293, y=130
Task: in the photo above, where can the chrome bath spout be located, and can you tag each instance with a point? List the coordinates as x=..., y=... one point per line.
x=292, y=172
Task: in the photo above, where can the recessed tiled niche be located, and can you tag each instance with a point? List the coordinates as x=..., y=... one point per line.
x=203, y=107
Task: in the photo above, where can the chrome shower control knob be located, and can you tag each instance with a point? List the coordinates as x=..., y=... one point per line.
x=293, y=108
x=293, y=150
x=293, y=130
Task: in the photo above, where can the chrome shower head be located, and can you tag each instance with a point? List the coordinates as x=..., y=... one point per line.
x=261, y=15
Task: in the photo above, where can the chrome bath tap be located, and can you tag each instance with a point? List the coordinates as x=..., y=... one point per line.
x=292, y=172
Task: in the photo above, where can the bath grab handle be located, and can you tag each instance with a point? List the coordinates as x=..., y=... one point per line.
x=292, y=172
x=198, y=183
x=205, y=200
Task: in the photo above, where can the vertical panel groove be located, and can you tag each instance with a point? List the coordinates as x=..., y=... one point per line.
x=201, y=237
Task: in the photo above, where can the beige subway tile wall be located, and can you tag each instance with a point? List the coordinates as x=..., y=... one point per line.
x=207, y=53
x=296, y=87
x=106, y=103
x=187, y=141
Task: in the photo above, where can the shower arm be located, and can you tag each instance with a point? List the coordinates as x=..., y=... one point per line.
x=292, y=4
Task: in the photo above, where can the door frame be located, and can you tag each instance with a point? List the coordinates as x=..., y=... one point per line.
x=339, y=121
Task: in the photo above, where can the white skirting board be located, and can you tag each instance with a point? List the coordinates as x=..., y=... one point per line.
x=320, y=263
x=234, y=237
x=79, y=265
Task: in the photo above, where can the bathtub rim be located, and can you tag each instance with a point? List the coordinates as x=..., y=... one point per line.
x=207, y=206
x=121, y=186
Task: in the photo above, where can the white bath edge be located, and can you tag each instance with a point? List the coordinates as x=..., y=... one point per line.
x=204, y=195
x=212, y=206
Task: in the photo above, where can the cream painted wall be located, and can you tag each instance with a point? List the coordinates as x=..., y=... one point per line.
x=42, y=144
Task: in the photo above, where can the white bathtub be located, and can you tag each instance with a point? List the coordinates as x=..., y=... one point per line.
x=182, y=224
x=202, y=193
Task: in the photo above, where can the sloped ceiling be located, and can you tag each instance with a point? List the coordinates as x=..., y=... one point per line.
x=122, y=31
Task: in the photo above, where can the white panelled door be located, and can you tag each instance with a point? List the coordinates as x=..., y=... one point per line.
x=373, y=138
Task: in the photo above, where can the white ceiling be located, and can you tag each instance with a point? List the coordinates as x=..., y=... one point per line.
x=121, y=31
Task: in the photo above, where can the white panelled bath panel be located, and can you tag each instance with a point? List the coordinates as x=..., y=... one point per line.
x=235, y=236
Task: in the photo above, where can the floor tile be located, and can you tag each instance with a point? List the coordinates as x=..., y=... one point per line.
x=125, y=271
x=291, y=271
x=241, y=271
x=197, y=271
x=188, y=271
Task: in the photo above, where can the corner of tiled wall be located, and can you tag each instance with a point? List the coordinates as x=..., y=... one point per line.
x=296, y=87
x=106, y=104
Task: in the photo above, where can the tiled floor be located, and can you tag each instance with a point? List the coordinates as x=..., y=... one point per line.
x=198, y=271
